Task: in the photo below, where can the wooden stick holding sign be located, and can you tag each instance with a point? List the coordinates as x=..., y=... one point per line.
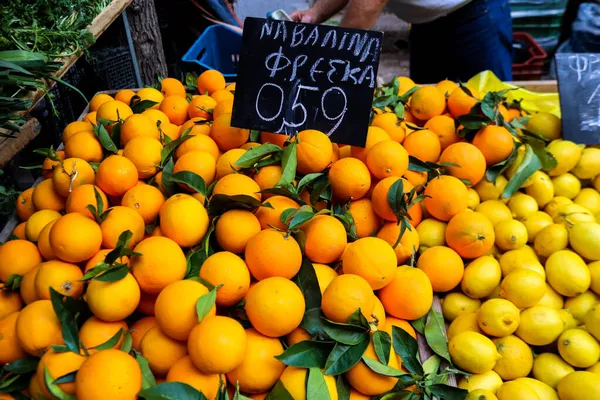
x=295, y=76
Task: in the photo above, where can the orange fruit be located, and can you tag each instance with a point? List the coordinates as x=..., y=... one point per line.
x=344, y=295
x=235, y=228
x=116, y=175
x=145, y=154
x=382, y=207
x=236, y=184
x=19, y=231
x=108, y=374
x=400, y=323
x=326, y=239
x=470, y=160
x=98, y=100
x=84, y=145
x=372, y=259
x=176, y=108
x=172, y=87
x=369, y=382
x=415, y=178
x=325, y=274
x=443, y=266
x=447, y=197
x=470, y=234
x=305, y=196
x=49, y=165
x=210, y=81
x=222, y=108
x=10, y=350
x=226, y=162
x=374, y=136
x=25, y=207
x=270, y=217
x=273, y=253
x=424, y=145
x=76, y=127
x=409, y=243
x=226, y=136
x=387, y=158
x=446, y=86
x=409, y=295
x=124, y=95
x=495, y=142
x=119, y=220
x=512, y=113
x=184, y=371
x=169, y=130
x=45, y=197
x=75, y=238
x=146, y=200
x=147, y=302
x=198, y=125
x=139, y=328
x=201, y=106
x=91, y=118
x=226, y=269
x=99, y=257
x=405, y=84
x=113, y=301
x=275, y=306
x=268, y=177
x=60, y=276
x=198, y=143
x=460, y=103
x=199, y=162
x=83, y=196
x=390, y=123
x=296, y=336
x=427, y=102
x=113, y=111
x=221, y=95
x=162, y=262
x=365, y=218
x=10, y=302
x=443, y=126
x=350, y=179
x=27, y=289
x=38, y=327
x=228, y=343
x=183, y=219
x=294, y=380
x=314, y=151
x=57, y=365
x=274, y=138
x=151, y=94
x=18, y=257
x=259, y=370
x=95, y=332
x=139, y=125
x=36, y=223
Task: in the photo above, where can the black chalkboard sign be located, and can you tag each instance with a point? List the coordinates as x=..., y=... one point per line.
x=579, y=87
x=295, y=76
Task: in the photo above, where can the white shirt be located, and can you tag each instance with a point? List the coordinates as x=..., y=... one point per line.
x=422, y=11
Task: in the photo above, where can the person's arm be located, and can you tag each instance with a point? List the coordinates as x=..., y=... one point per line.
x=321, y=11
x=362, y=14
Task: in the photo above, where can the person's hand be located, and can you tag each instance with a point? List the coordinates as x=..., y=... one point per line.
x=307, y=16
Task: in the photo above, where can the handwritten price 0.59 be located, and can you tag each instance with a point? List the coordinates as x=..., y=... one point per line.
x=290, y=126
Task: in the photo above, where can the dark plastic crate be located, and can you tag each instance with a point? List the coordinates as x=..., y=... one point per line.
x=534, y=67
x=217, y=48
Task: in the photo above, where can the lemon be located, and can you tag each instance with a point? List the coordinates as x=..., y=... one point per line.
x=588, y=165
x=550, y=369
x=558, y=201
x=585, y=238
x=582, y=304
x=540, y=326
x=590, y=199
x=592, y=321
x=514, y=390
x=529, y=250
x=473, y=199
x=510, y=235
x=579, y=385
x=566, y=185
x=512, y=168
x=494, y=295
x=481, y=394
x=545, y=124
x=491, y=190
x=567, y=273
x=571, y=214
x=551, y=299
x=596, y=182
x=432, y=232
x=489, y=381
x=594, y=268
x=517, y=358
x=578, y=348
x=595, y=368
x=541, y=188
x=551, y=239
x=522, y=205
x=494, y=252
x=473, y=352
x=495, y=210
x=456, y=303
x=568, y=319
x=464, y=322
x=524, y=288
x=498, y=317
x=535, y=223
x=566, y=153
x=543, y=391
x=520, y=259
x=481, y=277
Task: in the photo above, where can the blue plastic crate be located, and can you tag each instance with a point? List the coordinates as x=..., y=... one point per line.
x=217, y=48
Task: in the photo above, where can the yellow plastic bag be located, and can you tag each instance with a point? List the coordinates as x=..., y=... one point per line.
x=532, y=102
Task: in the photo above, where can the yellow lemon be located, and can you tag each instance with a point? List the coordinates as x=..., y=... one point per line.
x=582, y=304
x=522, y=206
x=464, y=322
x=514, y=390
x=592, y=321
x=545, y=124
x=517, y=358
x=491, y=190
x=584, y=238
x=498, y=317
x=595, y=368
x=489, y=381
x=524, y=288
x=590, y=199
x=432, y=232
x=594, y=268
x=543, y=391
x=473, y=199
x=514, y=166
x=578, y=348
x=566, y=153
x=551, y=239
x=551, y=299
x=495, y=210
x=473, y=352
x=567, y=273
x=588, y=165
x=510, y=235
x=539, y=326
x=535, y=223
x=456, y=303
x=579, y=385
x=566, y=185
x=520, y=259
x=568, y=319
x=571, y=214
x=558, y=201
x=481, y=277
x=481, y=394
x=541, y=188
x=550, y=369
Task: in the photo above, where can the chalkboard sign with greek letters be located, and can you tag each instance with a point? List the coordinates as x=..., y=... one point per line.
x=295, y=76
x=579, y=89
